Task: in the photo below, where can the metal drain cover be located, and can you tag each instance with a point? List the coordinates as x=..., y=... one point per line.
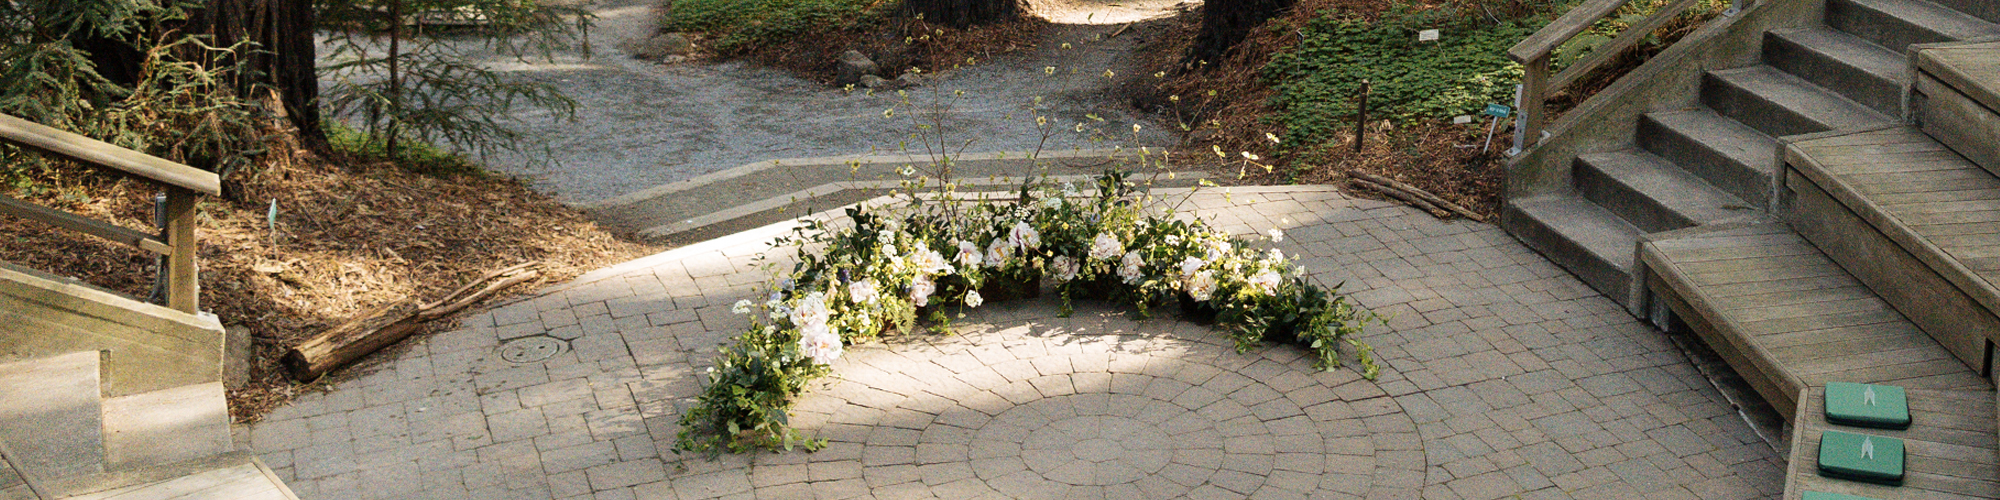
x=531, y=349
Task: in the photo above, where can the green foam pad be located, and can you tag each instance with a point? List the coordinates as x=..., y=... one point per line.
x=1867, y=405
x=1815, y=495
x=1858, y=457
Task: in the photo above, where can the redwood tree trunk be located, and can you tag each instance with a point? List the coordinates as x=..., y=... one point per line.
x=283, y=59
x=963, y=13
x=1224, y=23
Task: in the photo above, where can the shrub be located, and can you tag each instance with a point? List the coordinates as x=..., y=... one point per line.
x=736, y=25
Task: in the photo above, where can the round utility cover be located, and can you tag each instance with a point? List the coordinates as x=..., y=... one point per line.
x=531, y=349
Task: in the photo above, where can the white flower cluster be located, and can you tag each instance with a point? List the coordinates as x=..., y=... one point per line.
x=1201, y=285
x=1132, y=267
x=816, y=339
x=863, y=292
x=1105, y=247
x=1266, y=282
x=1066, y=268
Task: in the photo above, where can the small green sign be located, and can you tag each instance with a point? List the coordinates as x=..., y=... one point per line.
x=1867, y=405
x=1860, y=457
x=1817, y=495
x=1498, y=110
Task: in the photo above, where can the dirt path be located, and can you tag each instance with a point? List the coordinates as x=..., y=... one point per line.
x=641, y=124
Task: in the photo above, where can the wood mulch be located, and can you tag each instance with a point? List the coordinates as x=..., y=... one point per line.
x=347, y=237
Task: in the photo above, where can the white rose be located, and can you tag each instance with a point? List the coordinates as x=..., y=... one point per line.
x=811, y=311
x=921, y=289
x=820, y=344
x=1202, y=285
x=1190, y=265
x=968, y=255
x=1024, y=236
x=1065, y=268
x=1265, y=281
x=741, y=307
x=1105, y=247
x=1132, y=267
x=972, y=299
x=862, y=292
x=997, y=253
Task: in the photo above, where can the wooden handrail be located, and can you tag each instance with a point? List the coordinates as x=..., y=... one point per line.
x=1536, y=52
x=90, y=151
x=1571, y=24
x=185, y=186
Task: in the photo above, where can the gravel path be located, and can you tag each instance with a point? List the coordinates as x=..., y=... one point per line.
x=641, y=124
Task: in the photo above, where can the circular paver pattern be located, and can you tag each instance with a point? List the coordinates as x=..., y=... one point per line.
x=1089, y=407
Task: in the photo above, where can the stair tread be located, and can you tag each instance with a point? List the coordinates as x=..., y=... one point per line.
x=1816, y=104
x=1937, y=18
x=1949, y=448
x=166, y=426
x=1732, y=138
x=1914, y=190
x=1590, y=226
x=54, y=421
x=1852, y=50
x=1847, y=64
x=1773, y=327
x=1661, y=181
x=246, y=480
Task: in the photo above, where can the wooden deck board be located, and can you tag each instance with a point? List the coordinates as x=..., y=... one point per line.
x=1938, y=205
x=1763, y=287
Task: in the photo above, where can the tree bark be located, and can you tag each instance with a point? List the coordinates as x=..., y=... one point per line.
x=963, y=13
x=1224, y=24
x=283, y=58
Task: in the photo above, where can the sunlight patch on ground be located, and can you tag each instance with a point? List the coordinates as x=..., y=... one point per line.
x=1106, y=11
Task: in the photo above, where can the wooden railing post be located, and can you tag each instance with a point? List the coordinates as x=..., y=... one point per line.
x=183, y=281
x=1534, y=100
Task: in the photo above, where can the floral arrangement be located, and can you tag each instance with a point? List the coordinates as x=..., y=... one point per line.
x=888, y=271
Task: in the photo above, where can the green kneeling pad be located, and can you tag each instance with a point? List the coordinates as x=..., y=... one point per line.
x=1867, y=405
x=1857, y=457
x=1815, y=495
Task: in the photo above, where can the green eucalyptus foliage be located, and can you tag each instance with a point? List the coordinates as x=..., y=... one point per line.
x=1318, y=82
x=182, y=106
x=740, y=24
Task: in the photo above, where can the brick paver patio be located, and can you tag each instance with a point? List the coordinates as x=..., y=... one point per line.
x=1504, y=377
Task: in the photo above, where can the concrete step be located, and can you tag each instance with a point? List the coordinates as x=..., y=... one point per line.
x=1779, y=104
x=1853, y=67
x=230, y=476
x=1589, y=241
x=168, y=426
x=1915, y=221
x=755, y=194
x=1652, y=193
x=1729, y=155
x=1897, y=24
x=1983, y=9
x=1788, y=318
x=14, y=486
x=1949, y=450
x=50, y=416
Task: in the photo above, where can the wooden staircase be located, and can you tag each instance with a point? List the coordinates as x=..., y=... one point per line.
x=62, y=439
x=1828, y=212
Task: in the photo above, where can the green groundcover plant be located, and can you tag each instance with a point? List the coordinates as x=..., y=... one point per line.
x=892, y=268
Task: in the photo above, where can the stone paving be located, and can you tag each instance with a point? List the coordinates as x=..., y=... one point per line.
x=1504, y=378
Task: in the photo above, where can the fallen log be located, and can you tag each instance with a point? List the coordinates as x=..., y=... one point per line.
x=1405, y=197
x=386, y=325
x=1418, y=192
